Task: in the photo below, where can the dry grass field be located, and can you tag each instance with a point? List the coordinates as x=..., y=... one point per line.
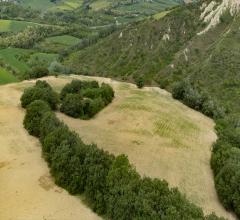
x=162, y=138
x=27, y=191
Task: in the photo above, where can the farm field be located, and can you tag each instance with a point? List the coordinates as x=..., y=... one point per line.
x=20, y=60
x=162, y=137
x=6, y=77
x=26, y=185
x=11, y=56
x=55, y=44
x=51, y=6
x=14, y=26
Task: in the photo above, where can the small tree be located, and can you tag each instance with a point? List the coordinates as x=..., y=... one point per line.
x=41, y=91
x=72, y=105
x=140, y=82
x=35, y=112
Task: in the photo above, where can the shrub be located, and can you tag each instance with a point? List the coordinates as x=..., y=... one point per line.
x=41, y=91
x=139, y=82
x=107, y=93
x=48, y=124
x=72, y=105
x=76, y=86
x=191, y=97
x=37, y=72
x=57, y=68
x=85, y=99
x=34, y=115
x=92, y=107
x=227, y=185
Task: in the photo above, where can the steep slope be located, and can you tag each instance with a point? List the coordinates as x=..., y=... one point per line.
x=140, y=49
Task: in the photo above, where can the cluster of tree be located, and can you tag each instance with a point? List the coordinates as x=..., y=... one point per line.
x=9, y=10
x=111, y=184
x=29, y=36
x=36, y=72
x=225, y=162
x=41, y=91
x=84, y=99
x=199, y=101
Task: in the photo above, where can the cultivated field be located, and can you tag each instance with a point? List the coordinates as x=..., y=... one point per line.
x=14, y=26
x=162, y=137
x=55, y=44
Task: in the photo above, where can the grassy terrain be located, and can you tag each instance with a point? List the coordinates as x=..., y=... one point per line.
x=21, y=60
x=6, y=77
x=48, y=5
x=162, y=137
x=97, y=5
x=45, y=58
x=36, y=4
x=15, y=58
x=14, y=26
x=26, y=182
x=55, y=44
x=161, y=14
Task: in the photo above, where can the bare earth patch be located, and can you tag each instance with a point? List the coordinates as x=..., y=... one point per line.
x=27, y=191
x=162, y=138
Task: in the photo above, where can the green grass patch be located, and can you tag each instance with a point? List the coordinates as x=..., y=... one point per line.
x=58, y=43
x=6, y=77
x=14, y=26
x=161, y=14
x=64, y=40
x=101, y=4
x=36, y=4
x=45, y=58
x=16, y=58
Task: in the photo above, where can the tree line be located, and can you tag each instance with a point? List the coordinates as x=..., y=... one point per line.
x=225, y=160
x=111, y=185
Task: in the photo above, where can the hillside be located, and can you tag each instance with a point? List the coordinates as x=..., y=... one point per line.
x=27, y=187
x=188, y=141
x=194, y=52
x=191, y=50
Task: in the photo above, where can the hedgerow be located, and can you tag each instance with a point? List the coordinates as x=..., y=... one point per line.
x=110, y=184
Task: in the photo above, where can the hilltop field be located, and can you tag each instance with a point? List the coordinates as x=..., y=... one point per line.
x=162, y=138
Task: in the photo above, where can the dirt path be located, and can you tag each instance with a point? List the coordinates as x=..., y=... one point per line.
x=26, y=189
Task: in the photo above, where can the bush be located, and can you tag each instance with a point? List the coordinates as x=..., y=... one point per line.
x=72, y=105
x=140, y=82
x=191, y=97
x=85, y=99
x=41, y=91
x=34, y=115
x=92, y=107
x=76, y=86
x=107, y=93
x=49, y=123
x=37, y=72
x=227, y=185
